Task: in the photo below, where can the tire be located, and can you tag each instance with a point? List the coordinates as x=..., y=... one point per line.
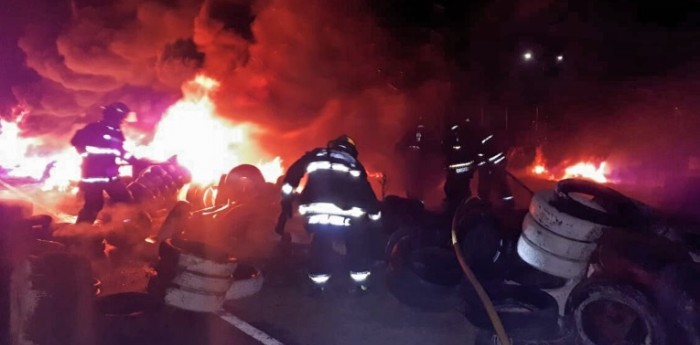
x=196, y=301
x=556, y=244
x=537, y=318
x=242, y=182
x=546, y=210
x=550, y=263
x=175, y=221
x=198, y=282
x=197, y=257
x=558, y=336
x=593, y=293
x=616, y=209
x=247, y=281
x=486, y=248
x=526, y=275
x=126, y=318
x=436, y=265
x=406, y=283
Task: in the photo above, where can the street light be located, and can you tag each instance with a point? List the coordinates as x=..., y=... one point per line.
x=527, y=56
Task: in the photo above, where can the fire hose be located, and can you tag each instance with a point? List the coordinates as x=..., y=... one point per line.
x=483, y=296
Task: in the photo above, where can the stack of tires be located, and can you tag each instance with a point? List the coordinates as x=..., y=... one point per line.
x=159, y=182
x=197, y=277
x=557, y=242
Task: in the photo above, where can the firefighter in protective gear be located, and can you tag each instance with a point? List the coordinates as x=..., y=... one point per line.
x=492, y=170
x=415, y=148
x=101, y=144
x=337, y=203
x=461, y=148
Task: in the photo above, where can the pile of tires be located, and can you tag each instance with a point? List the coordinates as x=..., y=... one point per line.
x=197, y=277
x=159, y=182
x=561, y=229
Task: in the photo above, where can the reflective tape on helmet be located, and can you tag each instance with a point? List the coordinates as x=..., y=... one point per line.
x=375, y=216
x=360, y=277
x=330, y=208
x=329, y=219
x=487, y=139
x=287, y=189
x=320, y=278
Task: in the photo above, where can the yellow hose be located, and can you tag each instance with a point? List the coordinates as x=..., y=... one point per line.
x=483, y=296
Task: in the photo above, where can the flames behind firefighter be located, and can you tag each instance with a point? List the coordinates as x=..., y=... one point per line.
x=337, y=203
x=467, y=150
x=101, y=144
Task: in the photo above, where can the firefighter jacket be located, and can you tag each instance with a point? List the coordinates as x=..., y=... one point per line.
x=337, y=185
x=102, y=149
x=461, y=148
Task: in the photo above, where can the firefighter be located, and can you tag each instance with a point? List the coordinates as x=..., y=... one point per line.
x=460, y=147
x=492, y=169
x=338, y=205
x=414, y=147
x=101, y=144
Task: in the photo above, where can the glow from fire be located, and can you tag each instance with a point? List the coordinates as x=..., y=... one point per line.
x=598, y=172
x=205, y=143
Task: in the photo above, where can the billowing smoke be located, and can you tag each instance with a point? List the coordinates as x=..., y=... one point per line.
x=303, y=70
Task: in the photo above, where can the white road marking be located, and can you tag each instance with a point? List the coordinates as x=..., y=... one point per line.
x=248, y=329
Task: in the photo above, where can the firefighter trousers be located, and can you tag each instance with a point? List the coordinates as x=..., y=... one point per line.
x=93, y=193
x=325, y=242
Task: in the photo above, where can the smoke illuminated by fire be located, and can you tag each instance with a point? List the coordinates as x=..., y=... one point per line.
x=598, y=172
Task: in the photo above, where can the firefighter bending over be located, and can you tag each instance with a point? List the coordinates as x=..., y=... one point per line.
x=337, y=204
x=101, y=144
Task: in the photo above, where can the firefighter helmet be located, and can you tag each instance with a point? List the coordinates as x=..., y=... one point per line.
x=115, y=112
x=344, y=143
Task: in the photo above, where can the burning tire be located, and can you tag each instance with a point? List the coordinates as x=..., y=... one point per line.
x=609, y=312
x=197, y=301
x=247, y=281
x=525, y=311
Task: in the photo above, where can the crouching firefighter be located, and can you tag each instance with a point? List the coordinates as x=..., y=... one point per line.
x=101, y=144
x=337, y=203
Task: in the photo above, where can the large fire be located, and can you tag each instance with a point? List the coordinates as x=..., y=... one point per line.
x=204, y=142
x=598, y=172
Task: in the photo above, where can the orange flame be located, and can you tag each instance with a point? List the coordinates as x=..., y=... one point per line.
x=597, y=172
x=205, y=143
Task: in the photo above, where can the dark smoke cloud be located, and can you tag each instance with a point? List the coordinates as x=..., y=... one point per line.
x=302, y=70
